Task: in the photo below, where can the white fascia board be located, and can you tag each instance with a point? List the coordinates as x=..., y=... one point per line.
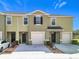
x=37, y=11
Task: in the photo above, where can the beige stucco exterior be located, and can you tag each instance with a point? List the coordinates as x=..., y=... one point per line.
x=66, y=22
x=3, y=26
x=17, y=24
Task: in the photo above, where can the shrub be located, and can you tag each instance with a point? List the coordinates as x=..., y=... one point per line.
x=76, y=42
x=48, y=43
x=16, y=42
x=19, y=40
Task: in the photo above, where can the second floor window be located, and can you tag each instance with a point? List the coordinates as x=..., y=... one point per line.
x=25, y=20
x=53, y=21
x=38, y=20
x=8, y=19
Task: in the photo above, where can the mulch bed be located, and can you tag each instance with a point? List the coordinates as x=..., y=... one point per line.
x=9, y=50
x=55, y=50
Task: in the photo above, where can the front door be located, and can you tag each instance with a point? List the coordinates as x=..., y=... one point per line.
x=53, y=37
x=24, y=38
x=13, y=36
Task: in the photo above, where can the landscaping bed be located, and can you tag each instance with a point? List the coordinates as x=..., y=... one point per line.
x=9, y=50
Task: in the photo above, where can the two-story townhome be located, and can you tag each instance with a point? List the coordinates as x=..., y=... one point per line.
x=36, y=27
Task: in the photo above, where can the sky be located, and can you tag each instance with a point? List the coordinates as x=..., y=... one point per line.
x=60, y=7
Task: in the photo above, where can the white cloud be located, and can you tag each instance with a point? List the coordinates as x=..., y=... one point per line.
x=62, y=4
x=56, y=5
x=4, y=5
x=59, y=4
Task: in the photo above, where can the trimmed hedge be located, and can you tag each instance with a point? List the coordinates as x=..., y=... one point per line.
x=16, y=42
x=75, y=41
x=48, y=43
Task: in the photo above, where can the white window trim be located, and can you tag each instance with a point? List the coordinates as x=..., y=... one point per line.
x=38, y=16
x=27, y=20
x=11, y=19
x=52, y=20
x=38, y=24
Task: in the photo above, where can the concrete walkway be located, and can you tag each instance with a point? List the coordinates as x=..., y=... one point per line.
x=68, y=48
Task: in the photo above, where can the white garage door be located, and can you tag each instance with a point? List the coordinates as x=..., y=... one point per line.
x=37, y=37
x=66, y=37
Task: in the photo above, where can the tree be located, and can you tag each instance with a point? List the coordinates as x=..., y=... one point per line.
x=76, y=34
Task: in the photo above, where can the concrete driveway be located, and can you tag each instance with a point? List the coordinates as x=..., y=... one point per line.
x=68, y=48
x=36, y=52
x=32, y=48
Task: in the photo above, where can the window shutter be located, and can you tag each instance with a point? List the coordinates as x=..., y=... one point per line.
x=34, y=20
x=41, y=20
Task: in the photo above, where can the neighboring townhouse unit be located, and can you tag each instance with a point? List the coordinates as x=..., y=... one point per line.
x=36, y=27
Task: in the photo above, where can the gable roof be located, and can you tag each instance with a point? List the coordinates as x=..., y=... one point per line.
x=42, y=12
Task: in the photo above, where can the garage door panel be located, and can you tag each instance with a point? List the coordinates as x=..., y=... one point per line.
x=37, y=37
x=66, y=37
